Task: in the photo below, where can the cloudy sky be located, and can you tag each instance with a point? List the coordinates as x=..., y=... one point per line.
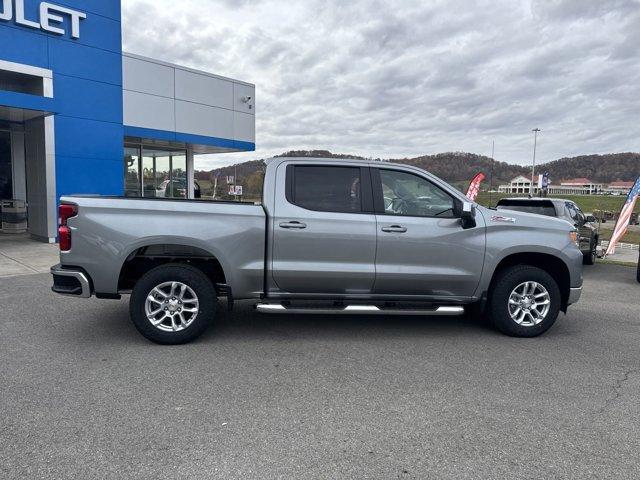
x=402, y=78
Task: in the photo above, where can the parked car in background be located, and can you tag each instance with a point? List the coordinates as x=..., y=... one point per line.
x=566, y=210
x=176, y=188
x=330, y=237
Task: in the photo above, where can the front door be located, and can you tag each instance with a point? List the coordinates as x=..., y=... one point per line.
x=422, y=248
x=6, y=174
x=324, y=233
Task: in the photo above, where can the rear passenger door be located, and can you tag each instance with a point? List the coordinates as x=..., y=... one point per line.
x=324, y=230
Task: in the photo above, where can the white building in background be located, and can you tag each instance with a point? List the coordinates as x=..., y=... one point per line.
x=576, y=186
x=520, y=184
x=618, y=188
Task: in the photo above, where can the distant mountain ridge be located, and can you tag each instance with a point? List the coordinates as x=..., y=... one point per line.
x=462, y=166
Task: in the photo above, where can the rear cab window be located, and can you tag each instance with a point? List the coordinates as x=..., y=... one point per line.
x=540, y=207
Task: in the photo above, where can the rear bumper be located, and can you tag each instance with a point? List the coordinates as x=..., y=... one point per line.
x=574, y=295
x=74, y=283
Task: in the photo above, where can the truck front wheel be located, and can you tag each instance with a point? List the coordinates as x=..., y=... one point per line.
x=524, y=301
x=172, y=304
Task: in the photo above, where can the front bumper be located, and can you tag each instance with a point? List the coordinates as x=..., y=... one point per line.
x=70, y=282
x=574, y=295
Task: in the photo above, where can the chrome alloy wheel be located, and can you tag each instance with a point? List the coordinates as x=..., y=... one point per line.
x=529, y=304
x=171, y=306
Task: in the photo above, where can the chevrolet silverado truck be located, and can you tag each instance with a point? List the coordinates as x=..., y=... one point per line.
x=329, y=237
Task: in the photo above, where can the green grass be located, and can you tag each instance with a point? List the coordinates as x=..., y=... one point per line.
x=632, y=236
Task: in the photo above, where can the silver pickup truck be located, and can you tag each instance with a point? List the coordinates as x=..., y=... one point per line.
x=330, y=237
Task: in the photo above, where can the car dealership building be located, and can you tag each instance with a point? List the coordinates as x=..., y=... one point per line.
x=77, y=115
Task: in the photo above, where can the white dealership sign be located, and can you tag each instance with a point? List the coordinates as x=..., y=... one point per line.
x=51, y=17
x=235, y=189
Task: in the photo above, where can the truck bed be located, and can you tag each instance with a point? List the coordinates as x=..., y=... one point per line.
x=107, y=230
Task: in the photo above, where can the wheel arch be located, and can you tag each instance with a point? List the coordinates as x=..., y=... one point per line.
x=551, y=264
x=145, y=257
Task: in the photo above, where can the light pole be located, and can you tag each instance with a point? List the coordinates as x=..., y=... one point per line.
x=533, y=168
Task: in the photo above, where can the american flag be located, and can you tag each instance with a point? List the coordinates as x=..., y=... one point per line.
x=625, y=215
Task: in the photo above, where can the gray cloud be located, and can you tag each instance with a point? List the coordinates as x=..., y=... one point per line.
x=391, y=78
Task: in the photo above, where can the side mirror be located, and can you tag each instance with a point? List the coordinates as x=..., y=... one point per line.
x=467, y=213
x=591, y=219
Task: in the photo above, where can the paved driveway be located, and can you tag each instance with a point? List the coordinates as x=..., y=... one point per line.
x=84, y=396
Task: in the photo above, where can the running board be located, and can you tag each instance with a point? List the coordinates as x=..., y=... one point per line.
x=359, y=310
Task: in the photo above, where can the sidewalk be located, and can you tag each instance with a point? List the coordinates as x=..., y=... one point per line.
x=20, y=255
x=624, y=255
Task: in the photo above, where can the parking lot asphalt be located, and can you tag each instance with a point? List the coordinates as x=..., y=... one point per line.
x=85, y=396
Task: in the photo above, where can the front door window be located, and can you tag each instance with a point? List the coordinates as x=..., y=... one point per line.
x=410, y=195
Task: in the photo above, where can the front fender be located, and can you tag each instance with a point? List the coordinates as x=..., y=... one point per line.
x=507, y=239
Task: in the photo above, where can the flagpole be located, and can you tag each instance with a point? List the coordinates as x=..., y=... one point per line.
x=493, y=145
x=533, y=167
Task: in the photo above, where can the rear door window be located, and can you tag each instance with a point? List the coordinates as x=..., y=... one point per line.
x=326, y=188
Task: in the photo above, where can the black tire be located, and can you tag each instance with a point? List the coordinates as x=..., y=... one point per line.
x=504, y=285
x=590, y=258
x=638, y=273
x=187, y=275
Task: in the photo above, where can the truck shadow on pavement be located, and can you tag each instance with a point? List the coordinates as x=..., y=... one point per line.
x=244, y=323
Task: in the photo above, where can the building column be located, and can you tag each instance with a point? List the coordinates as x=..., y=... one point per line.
x=190, y=174
x=41, y=178
x=18, y=164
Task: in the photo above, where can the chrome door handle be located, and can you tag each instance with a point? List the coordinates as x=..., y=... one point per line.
x=293, y=224
x=394, y=229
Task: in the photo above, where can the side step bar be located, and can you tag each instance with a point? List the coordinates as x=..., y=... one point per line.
x=359, y=309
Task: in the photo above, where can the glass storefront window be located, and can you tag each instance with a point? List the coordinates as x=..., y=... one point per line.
x=158, y=173
x=132, y=172
x=162, y=164
x=179, y=176
x=148, y=177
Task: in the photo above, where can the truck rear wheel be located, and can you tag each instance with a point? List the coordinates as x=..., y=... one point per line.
x=524, y=301
x=172, y=304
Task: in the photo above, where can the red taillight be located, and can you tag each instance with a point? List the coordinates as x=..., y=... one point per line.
x=64, y=238
x=65, y=211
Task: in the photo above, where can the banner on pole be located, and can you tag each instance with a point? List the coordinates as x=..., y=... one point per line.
x=474, y=186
